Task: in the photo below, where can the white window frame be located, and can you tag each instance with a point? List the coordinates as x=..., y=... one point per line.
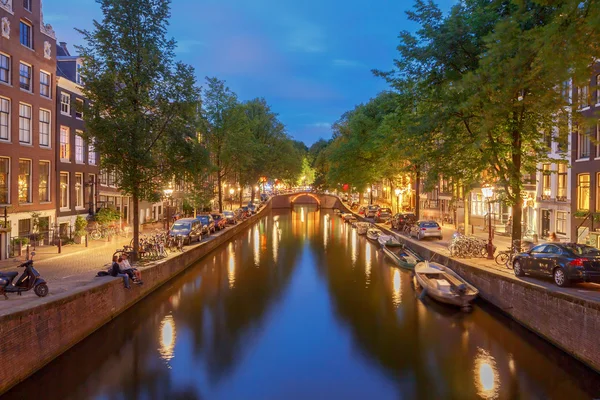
x=49, y=126
x=30, y=90
x=579, y=192
x=8, y=70
x=65, y=150
x=79, y=104
x=564, y=222
x=6, y=100
x=49, y=190
x=65, y=106
x=66, y=187
x=79, y=203
x=583, y=135
x=49, y=85
x=22, y=119
x=79, y=148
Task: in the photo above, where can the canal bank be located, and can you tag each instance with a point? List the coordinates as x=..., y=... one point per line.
x=34, y=336
x=565, y=319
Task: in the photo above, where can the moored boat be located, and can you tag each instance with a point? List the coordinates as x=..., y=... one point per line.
x=444, y=285
x=373, y=234
x=362, y=227
x=400, y=254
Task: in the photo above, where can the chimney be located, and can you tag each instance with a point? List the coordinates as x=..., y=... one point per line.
x=63, y=45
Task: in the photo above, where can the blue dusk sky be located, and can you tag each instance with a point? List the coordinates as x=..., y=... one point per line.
x=311, y=59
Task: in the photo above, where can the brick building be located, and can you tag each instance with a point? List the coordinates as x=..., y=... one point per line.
x=27, y=115
x=77, y=162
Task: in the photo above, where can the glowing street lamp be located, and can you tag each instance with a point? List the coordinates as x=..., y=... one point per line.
x=488, y=192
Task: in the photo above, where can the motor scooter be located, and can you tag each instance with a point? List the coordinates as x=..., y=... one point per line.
x=30, y=279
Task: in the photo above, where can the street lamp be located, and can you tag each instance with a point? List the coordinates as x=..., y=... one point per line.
x=231, y=192
x=397, y=191
x=488, y=192
x=370, y=195
x=168, y=192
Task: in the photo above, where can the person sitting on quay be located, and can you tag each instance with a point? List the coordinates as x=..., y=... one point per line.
x=115, y=270
x=133, y=273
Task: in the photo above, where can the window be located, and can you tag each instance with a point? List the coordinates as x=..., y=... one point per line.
x=561, y=192
x=112, y=179
x=64, y=190
x=25, y=77
x=546, y=185
x=45, y=84
x=78, y=148
x=24, y=227
x=79, y=190
x=561, y=222
x=64, y=143
x=4, y=118
x=583, y=192
x=548, y=141
x=4, y=68
x=79, y=108
x=25, y=123
x=91, y=153
x=4, y=180
x=477, y=204
x=65, y=104
x=78, y=77
x=103, y=177
x=44, y=128
x=583, y=143
x=583, y=96
x=27, y=5
x=24, y=181
x=44, y=190
x=25, y=32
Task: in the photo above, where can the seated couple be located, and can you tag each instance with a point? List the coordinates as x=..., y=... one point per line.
x=121, y=267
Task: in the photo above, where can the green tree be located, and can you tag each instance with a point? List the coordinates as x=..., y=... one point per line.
x=143, y=104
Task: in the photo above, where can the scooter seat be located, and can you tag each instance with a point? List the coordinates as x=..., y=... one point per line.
x=9, y=275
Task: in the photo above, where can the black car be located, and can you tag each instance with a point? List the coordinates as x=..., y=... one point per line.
x=230, y=217
x=565, y=262
x=383, y=214
x=189, y=228
x=401, y=219
x=208, y=223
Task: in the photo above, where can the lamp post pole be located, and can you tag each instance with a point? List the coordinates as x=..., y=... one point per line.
x=370, y=195
x=397, y=192
x=231, y=191
x=488, y=192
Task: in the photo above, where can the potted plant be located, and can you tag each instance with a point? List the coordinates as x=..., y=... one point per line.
x=80, y=229
x=21, y=242
x=40, y=227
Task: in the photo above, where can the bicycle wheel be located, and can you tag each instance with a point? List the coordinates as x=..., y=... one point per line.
x=502, y=258
x=95, y=234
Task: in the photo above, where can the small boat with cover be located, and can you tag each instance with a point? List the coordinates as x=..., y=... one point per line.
x=401, y=255
x=444, y=285
x=362, y=227
x=373, y=234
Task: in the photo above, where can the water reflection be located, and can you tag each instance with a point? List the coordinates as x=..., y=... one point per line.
x=167, y=338
x=487, y=382
x=307, y=323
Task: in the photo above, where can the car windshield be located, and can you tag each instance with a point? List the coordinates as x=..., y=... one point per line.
x=373, y=207
x=228, y=214
x=385, y=210
x=216, y=216
x=203, y=219
x=583, y=250
x=429, y=224
x=180, y=226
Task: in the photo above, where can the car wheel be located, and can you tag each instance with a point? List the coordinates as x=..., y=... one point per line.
x=560, y=278
x=518, y=269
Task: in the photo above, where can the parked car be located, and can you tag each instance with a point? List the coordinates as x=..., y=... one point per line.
x=401, y=219
x=220, y=221
x=208, y=223
x=264, y=197
x=424, y=229
x=371, y=211
x=383, y=214
x=564, y=262
x=229, y=217
x=362, y=210
x=189, y=228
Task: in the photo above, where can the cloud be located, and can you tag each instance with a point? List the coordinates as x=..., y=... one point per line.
x=321, y=125
x=340, y=62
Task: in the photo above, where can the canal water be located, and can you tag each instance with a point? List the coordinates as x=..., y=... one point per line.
x=301, y=307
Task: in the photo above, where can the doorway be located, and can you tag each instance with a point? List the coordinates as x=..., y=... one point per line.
x=545, y=223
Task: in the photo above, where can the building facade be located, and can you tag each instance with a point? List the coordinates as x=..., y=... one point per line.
x=76, y=160
x=585, y=161
x=27, y=117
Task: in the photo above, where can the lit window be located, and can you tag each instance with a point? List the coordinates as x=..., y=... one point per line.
x=583, y=192
x=4, y=118
x=25, y=77
x=4, y=68
x=64, y=190
x=64, y=143
x=25, y=123
x=561, y=192
x=45, y=84
x=44, y=185
x=4, y=180
x=24, y=181
x=546, y=185
x=44, y=128
x=25, y=34
x=78, y=190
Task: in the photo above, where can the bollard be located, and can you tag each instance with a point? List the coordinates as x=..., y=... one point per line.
x=86, y=240
x=27, y=253
x=59, y=245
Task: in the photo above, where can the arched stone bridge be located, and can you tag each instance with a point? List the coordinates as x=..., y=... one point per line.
x=321, y=200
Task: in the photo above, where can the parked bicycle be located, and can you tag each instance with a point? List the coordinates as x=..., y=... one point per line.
x=102, y=232
x=506, y=257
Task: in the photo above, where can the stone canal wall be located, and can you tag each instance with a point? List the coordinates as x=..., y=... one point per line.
x=569, y=322
x=33, y=337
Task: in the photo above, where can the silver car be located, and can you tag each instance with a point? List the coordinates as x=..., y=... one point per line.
x=371, y=211
x=425, y=229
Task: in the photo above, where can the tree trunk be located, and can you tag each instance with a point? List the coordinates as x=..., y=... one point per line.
x=467, y=211
x=136, y=225
x=242, y=196
x=515, y=183
x=418, y=192
x=253, y=194
x=220, y=192
x=361, y=197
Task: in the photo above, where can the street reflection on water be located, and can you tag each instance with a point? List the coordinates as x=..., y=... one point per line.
x=301, y=306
